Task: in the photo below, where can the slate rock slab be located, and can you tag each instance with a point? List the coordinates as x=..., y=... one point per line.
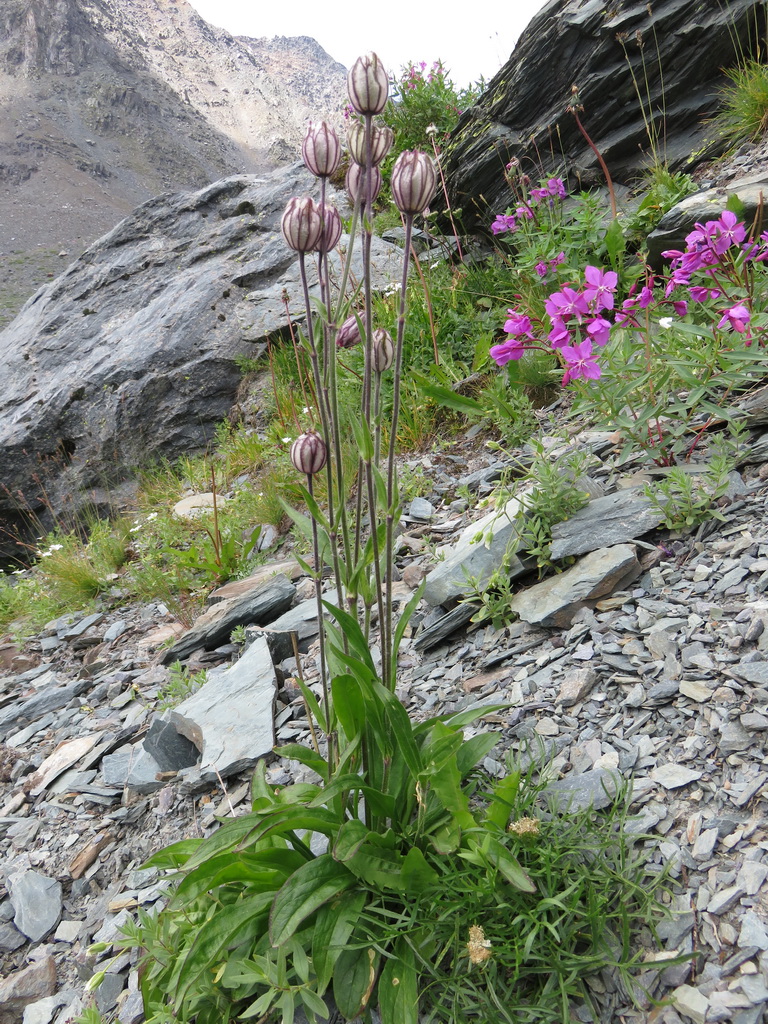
x=30, y=710
x=215, y=625
x=21, y=988
x=134, y=767
x=478, y=553
x=596, y=789
x=613, y=519
x=230, y=718
x=556, y=600
x=36, y=900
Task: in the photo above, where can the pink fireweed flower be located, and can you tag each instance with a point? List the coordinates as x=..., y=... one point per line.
x=518, y=324
x=557, y=260
x=599, y=330
x=566, y=303
x=556, y=187
x=524, y=212
x=680, y=307
x=512, y=348
x=559, y=335
x=728, y=230
x=600, y=287
x=700, y=294
x=504, y=222
x=579, y=362
x=736, y=318
x=541, y=269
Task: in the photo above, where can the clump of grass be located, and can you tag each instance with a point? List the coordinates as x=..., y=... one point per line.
x=181, y=684
x=744, y=104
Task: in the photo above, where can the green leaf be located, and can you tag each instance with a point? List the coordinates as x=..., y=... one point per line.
x=354, y=977
x=304, y=755
x=378, y=867
x=417, y=873
x=448, y=397
x=314, y=1003
x=334, y=924
x=173, y=856
x=261, y=871
x=314, y=883
x=502, y=800
x=222, y=932
x=615, y=243
x=352, y=835
x=398, y=989
x=349, y=705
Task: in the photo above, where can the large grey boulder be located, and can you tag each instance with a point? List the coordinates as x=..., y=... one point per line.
x=129, y=355
x=675, y=49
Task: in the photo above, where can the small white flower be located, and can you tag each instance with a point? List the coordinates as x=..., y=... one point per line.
x=431, y=129
x=286, y=440
x=45, y=554
x=56, y=547
x=151, y=516
x=666, y=322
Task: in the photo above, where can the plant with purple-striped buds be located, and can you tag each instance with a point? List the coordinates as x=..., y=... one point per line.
x=309, y=453
x=368, y=85
x=381, y=143
x=356, y=182
x=414, y=180
x=348, y=335
x=302, y=224
x=321, y=150
x=383, y=350
x=332, y=228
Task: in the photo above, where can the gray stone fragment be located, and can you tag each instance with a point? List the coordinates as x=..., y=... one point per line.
x=29, y=710
x=753, y=986
x=691, y=1002
x=752, y=672
x=735, y=737
x=301, y=619
x=80, y=627
x=132, y=1009
x=420, y=508
x=106, y=995
x=590, y=789
x=704, y=845
x=10, y=937
x=753, y=932
x=115, y=630
x=111, y=929
x=170, y=750
x=229, y=719
x=37, y=903
x=751, y=876
x=478, y=553
x=433, y=635
x=673, y=776
x=20, y=988
x=725, y=899
x=555, y=601
x=613, y=519
x=215, y=626
x=576, y=686
x=134, y=767
x=42, y=1010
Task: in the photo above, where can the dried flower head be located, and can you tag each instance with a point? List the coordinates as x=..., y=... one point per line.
x=478, y=947
x=414, y=180
x=302, y=224
x=308, y=453
x=525, y=827
x=383, y=350
x=356, y=182
x=321, y=150
x=368, y=85
x=381, y=142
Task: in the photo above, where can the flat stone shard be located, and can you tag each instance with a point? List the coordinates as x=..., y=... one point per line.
x=229, y=719
x=596, y=789
x=555, y=601
x=19, y=989
x=215, y=625
x=612, y=519
x=674, y=776
x=36, y=900
x=478, y=553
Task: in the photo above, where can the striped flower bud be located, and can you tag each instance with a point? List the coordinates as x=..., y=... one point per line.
x=356, y=182
x=321, y=150
x=308, y=453
x=348, y=334
x=332, y=227
x=414, y=180
x=383, y=350
x=302, y=224
x=368, y=85
x=381, y=142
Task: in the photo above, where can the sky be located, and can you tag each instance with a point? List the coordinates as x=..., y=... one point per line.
x=477, y=42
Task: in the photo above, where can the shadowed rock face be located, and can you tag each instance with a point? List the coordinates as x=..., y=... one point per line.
x=129, y=355
x=674, y=50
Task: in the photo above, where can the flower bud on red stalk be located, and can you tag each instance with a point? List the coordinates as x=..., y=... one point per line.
x=332, y=227
x=414, y=180
x=356, y=182
x=383, y=350
x=349, y=333
x=302, y=224
x=321, y=150
x=381, y=143
x=308, y=453
x=368, y=85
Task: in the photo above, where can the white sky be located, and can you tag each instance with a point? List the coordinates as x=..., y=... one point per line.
x=475, y=41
